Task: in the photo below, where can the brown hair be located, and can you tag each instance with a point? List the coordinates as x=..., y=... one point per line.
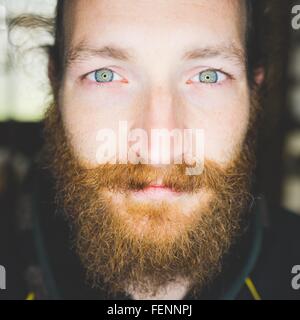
x=255, y=56
x=258, y=13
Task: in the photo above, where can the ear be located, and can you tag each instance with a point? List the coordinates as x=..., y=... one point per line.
x=259, y=76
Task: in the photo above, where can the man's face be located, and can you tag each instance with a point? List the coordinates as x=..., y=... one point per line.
x=169, y=44
x=163, y=64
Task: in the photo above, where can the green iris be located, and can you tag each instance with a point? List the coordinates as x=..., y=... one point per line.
x=209, y=76
x=104, y=75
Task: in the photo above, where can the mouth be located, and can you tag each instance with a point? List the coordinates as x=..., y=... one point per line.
x=156, y=191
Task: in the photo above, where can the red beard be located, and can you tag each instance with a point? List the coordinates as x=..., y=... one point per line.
x=148, y=245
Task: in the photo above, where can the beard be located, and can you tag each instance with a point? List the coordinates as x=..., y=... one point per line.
x=126, y=245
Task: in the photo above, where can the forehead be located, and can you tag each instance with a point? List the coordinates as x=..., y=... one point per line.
x=170, y=24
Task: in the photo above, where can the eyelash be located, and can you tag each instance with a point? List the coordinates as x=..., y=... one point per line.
x=227, y=75
x=102, y=83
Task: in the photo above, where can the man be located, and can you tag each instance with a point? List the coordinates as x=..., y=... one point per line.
x=143, y=227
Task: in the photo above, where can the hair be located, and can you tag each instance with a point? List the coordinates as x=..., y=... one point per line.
x=257, y=37
x=254, y=52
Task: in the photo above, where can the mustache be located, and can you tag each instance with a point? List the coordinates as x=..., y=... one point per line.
x=127, y=177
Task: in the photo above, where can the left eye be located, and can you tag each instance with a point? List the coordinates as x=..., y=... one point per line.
x=104, y=76
x=209, y=77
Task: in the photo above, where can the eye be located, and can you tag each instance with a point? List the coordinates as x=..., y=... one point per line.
x=104, y=76
x=209, y=77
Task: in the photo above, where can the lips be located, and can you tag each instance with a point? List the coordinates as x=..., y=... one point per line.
x=156, y=191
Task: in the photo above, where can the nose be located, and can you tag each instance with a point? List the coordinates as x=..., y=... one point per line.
x=162, y=121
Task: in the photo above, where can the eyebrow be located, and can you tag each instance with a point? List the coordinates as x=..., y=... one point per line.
x=226, y=51
x=83, y=52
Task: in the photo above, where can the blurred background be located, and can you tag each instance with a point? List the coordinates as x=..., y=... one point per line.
x=24, y=94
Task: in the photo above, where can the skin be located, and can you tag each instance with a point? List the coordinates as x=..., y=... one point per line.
x=156, y=94
x=156, y=87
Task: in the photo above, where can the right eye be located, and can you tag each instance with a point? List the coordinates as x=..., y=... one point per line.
x=104, y=76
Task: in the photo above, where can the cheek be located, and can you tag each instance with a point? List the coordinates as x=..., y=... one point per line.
x=84, y=116
x=224, y=119
x=226, y=134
